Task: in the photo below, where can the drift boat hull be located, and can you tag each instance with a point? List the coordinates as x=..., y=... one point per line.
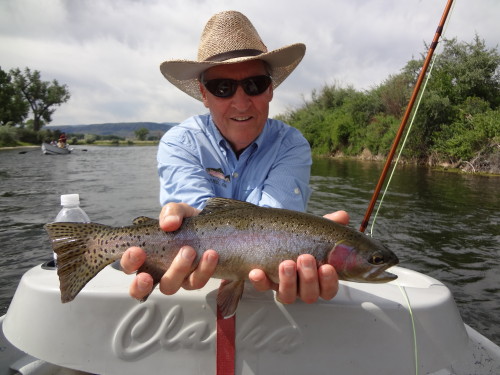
x=366, y=328
x=49, y=149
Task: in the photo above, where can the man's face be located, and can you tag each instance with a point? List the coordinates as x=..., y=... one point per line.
x=240, y=118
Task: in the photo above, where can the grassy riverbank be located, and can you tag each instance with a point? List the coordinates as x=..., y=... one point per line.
x=491, y=166
x=492, y=170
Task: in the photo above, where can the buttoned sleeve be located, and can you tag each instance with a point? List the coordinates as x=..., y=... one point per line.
x=182, y=176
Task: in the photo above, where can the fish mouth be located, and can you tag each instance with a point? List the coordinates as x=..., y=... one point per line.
x=380, y=275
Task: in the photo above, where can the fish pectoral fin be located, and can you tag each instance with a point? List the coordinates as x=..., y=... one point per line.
x=229, y=295
x=144, y=220
x=156, y=271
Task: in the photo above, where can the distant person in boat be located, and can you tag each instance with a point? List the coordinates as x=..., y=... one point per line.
x=235, y=151
x=62, y=141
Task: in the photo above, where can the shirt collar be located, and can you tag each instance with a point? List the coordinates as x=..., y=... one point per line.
x=223, y=142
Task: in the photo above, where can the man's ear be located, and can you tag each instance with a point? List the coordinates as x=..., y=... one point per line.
x=203, y=92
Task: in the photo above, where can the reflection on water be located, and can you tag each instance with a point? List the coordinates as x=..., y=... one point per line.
x=115, y=185
x=442, y=224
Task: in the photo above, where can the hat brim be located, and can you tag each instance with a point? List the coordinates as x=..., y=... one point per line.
x=184, y=74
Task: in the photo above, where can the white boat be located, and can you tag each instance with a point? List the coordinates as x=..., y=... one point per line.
x=49, y=149
x=365, y=329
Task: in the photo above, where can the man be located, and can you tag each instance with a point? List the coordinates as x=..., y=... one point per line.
x=236, y=152
x=61, y=143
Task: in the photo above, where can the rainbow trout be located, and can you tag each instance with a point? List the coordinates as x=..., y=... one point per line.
x=245, y=236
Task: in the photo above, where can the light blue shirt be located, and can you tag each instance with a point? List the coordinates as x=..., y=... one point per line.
x=195, y=163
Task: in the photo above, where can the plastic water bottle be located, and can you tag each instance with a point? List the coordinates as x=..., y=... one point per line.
x=71, y=212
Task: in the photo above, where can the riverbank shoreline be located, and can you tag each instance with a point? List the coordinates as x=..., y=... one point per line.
x=493, y=171
x=18, y=147
x=491, y=166
x=97, y=143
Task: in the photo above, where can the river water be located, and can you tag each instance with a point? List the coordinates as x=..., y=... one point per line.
x=442, y=224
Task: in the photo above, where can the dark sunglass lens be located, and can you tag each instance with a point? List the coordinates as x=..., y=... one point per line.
x=221, y=88
x=225, y=87
x=250, y=86
x=256, y=85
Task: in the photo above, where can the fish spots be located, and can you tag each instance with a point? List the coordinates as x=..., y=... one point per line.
x=254, y=233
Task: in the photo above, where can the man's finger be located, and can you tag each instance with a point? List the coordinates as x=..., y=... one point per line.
x=287, y=291
x=340, y=217
x=203, y=272
x=308, y=278
x=172, y=214
x=132, y=259
x=141, y=286
x=328, y=281
x=260, y=281
x=180, y=268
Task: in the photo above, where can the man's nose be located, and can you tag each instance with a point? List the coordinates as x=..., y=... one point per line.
x=240, y=100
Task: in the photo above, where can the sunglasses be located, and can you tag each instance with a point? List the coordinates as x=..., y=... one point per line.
x=226, y=87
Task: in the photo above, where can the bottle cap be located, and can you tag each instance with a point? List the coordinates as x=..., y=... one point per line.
x=70, y=200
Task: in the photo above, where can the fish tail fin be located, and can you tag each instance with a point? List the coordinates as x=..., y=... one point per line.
x=79, y=258
x=229, y=295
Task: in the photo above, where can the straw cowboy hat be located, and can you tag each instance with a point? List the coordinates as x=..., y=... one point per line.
x=229, y=38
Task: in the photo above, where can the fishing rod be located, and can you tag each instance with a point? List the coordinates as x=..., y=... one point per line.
x=407, y=113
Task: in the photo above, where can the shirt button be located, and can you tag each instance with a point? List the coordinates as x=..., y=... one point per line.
x=296, y=191
x=235, y=175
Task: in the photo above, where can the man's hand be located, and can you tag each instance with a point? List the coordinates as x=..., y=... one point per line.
x=178, y=275
x=302, y=279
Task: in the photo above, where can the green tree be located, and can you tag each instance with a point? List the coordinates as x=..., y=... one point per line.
x=141, y=133
x=458, y=118
x=395, y=93
x=466, y=70
x=8, y=136
x=462, y=70
x=13, y=108
x=476, y=133
x=42, y=96
x=380, y=133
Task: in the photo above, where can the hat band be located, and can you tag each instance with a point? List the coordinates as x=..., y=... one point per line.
x=234, y=54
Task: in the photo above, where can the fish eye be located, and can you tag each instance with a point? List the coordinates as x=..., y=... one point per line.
x=377, y=259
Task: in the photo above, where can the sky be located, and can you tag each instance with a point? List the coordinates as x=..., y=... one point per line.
x=108, y=52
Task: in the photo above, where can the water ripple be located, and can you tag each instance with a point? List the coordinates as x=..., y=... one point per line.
x=443, y=225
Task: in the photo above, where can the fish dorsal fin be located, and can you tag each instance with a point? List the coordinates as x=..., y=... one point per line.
x=143, y=220
x=215, y=205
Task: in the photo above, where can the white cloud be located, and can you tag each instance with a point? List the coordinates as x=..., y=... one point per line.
x=108, y=52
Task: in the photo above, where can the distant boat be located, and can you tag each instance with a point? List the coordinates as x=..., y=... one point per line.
x=49, y=149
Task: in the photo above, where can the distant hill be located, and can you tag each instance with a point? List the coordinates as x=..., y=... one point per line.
x=120, y=129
